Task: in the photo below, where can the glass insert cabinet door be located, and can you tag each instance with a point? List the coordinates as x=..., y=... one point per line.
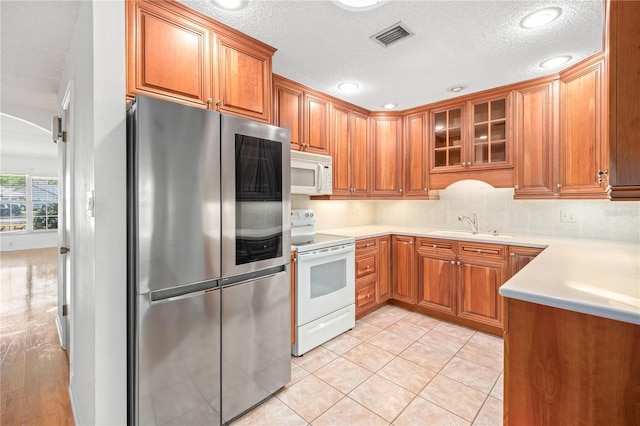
x=448, y=138
x=472, y=134
x=489, y=132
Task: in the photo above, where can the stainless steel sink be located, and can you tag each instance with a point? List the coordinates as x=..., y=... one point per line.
x=467, y=234
x=452, y=233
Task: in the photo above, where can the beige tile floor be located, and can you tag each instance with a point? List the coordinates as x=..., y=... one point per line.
x=395, y=367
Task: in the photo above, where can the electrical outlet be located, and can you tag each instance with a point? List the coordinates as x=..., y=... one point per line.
x=568, y=216
x=357, y=211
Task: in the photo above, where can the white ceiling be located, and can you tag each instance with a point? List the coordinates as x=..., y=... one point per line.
x=476, y=43
x=23, y=138
x=35, y=38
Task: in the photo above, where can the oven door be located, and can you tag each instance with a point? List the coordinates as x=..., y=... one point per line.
x=325, y=282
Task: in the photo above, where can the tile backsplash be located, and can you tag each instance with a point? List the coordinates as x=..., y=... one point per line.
x=495, y=208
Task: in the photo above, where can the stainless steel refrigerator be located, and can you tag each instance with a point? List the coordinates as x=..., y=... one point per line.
x=208, y=260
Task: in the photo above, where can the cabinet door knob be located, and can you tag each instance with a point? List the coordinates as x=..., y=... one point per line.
x=479, y=251
x=209, y=100
x=367, y=267
x=218, y=103
x=513, y=255
x=458, y=263
x=400, y=190
x=452, y=262
x=517, y=187
x=435, y=246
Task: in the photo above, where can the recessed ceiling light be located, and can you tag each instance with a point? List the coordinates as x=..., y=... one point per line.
x=348, y=87
x=540, y=17
x=555, y=61
x=359, y=5
x=389, y=106
x=231, y=4
x=457, y=88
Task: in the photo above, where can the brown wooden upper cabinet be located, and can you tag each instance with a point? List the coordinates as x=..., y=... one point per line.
x=244, y=79
x=288, y=106
x=536, y=140
x=584, y=157
x=624, y=99
x=304, y=112
x=178, y=54
x=386, y=155
x=349, y=149
x=472, y=140
x=316, y=123
x=416, y=155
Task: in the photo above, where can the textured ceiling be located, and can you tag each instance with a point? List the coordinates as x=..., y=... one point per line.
x=34, y=41
x=476, y=43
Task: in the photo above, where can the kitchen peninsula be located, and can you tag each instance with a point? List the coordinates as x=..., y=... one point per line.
x=571, y=321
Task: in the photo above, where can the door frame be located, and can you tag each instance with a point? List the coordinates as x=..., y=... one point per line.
x=65, y=225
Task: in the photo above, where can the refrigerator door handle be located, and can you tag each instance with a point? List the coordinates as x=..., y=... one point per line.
x=184, y=292
x=182, y=297
x=233, y=284
x=252, y=276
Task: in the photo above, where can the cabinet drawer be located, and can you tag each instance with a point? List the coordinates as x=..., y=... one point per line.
x=436, y=245
x=365, y=265
x=366, y=296
x=494, y=251
x=366, y=244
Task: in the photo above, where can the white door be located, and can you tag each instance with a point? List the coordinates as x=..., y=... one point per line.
x=65, y=255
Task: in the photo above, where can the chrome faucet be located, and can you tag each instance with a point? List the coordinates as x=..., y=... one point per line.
x=473, y=222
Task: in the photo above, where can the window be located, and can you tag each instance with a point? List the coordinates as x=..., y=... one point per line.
x=28, y=203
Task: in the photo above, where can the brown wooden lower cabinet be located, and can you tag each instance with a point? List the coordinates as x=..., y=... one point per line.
x=384, y=269
x=569, y=368
x=479, y=281
x=519, y=257
x=436, y=275
x=403, y=269
x=372, y=274
x=459, y=281
x=456, y=281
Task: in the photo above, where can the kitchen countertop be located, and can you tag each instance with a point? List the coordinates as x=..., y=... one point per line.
x=594, y=277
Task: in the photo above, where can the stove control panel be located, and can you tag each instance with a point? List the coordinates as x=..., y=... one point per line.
x=302, y=217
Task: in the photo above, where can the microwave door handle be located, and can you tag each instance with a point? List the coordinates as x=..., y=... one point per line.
x=320, y=185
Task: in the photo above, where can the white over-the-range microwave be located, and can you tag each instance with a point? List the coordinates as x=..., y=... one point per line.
x=311, y=174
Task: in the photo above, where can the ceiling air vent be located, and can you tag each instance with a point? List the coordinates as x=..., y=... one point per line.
x=393, y=34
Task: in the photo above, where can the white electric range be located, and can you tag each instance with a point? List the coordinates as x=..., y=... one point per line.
x=325, y=283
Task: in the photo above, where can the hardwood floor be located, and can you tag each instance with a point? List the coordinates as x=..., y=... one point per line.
x=34, y=370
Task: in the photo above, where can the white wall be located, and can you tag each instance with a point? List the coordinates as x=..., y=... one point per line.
x=39, y=167
x=35, y=166
x=496, y=210
x=95, y=66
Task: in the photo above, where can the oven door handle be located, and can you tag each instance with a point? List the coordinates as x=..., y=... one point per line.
x=318, y=254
